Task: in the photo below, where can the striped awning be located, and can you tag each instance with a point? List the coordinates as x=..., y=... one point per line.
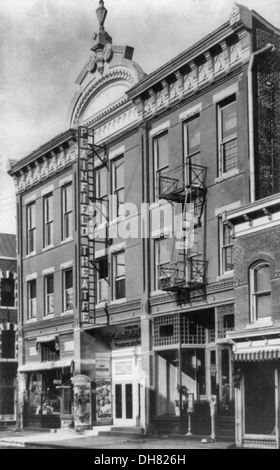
x=256, y=354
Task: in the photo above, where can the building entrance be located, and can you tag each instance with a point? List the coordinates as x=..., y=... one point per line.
x=126, y=400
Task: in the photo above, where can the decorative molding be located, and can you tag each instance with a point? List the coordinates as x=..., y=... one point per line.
x=219, y=286
x=118, y=74
x=124, y=307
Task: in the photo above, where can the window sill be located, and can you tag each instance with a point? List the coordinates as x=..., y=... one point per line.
x=67, y=312
x=118, y=301
x=31, y=320
x=8, y=308
x=67, y=240
x=48, y=317
x=225, y=176
x=102, y=304
x=226, y=275
x=30, y=254
x=46, y=248
x=157, y=292
x=260, y=323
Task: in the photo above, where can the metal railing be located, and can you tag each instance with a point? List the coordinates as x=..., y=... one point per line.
x=175, y=182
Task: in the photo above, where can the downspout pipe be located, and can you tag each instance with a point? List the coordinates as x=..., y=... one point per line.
x=268, y=48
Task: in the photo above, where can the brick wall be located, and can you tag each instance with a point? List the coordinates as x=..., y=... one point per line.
x=268, y=117
x=248, y=250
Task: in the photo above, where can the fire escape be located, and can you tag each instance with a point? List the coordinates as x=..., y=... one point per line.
x=186, y=273
x=100, y=206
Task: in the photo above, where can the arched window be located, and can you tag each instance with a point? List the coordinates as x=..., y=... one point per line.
x=260, y=291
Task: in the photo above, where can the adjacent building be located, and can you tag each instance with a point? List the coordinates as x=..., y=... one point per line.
x=8, y=329
x=125, y=250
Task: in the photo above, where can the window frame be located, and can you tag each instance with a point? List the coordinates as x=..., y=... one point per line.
x=158, y=171
x=48, y=295
x=119, y=278
x=257, y=294
x=222, y=141
x=48, y=222
x=2, y=282
x=156, y=260
x=116, y=191
x=223, y=247
x=30, y=303
x=31, y=228
x=189, y=157
x=66, y=213
x=101, y=279
x=101, y=199
x=65, y=290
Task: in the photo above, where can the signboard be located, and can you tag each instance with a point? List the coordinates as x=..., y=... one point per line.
x=85, y=190
x=127, y=337
x=190, y=400
x=103, y=401
x=102, y=368
x=82, y=402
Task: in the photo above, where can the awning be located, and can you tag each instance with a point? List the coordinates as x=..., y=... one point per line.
x=256, y=354
x=47, y=365
x=46, y=338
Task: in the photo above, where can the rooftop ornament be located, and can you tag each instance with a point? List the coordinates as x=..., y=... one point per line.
x=101, y=43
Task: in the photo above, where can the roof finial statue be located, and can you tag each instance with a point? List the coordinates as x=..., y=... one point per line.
x=101, y=43
x=101, y=13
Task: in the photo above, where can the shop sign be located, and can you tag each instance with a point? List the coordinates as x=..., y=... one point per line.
x=128, y=337
x=82, y=401
x=57, y=382
x=102, y=368
x=83, y=152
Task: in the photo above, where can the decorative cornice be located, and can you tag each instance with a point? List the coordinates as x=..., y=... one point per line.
x=43, y=325
x=220, y=286
x=124, y=307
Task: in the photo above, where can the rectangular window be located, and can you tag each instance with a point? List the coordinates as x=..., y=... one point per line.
x=227, y=135
x=67, y=211
x=161, y=161
x=48, y=220
x=8, y=344
x=226, y=252
x=7, y=292
x=192, y=150
x=163, y=248
x=119, y=275
x=49, y=295
x=31, y=228
x=118, y=186
x=101, y=195
x=102, y=276
x=32, y=299
x=68, y=290
x=49, y=352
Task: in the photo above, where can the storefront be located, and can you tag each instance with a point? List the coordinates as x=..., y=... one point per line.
x=257, y=381
x=47, y=394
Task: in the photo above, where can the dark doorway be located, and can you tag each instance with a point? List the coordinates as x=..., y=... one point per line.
x=259, y=398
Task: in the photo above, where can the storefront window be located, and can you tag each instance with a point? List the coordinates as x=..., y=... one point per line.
x=167, y=382
x=193, y=372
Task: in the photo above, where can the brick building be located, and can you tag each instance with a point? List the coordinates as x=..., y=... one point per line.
x=125, y=259
x=8, y=328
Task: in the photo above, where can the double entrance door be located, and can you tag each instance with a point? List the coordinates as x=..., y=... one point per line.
x=126, y=391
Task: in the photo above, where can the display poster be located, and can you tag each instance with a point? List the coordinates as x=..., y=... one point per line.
x=82, y=402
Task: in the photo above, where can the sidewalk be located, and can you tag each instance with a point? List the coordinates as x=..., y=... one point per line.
x=70, y=439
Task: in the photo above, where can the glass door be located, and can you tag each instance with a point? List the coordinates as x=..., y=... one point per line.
x=124, y=408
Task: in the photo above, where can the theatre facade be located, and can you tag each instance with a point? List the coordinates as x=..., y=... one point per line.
x=125, y=260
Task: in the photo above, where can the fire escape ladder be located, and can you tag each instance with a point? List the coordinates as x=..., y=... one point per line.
x=186, y=273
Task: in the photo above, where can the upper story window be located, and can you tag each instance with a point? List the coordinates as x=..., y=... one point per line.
x=102, y=280
x=163, y=248
x=7, y=292
x=260, y=292
x=119, y=275
x=31, y=228
x=227, y=135
x=161, y=160
x=68, y=290
x=117, y=186
x=48, y=220
x=32, y=299
x=8, y=344
x=49, y=295
x=67, y=211
x=192, y=148
x=50, y=351
x=101, y=195
x=226, y=249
